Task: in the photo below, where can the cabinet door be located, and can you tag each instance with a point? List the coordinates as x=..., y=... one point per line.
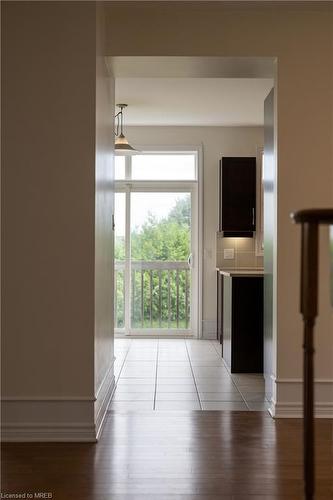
x=238, y=200
x=247, y=325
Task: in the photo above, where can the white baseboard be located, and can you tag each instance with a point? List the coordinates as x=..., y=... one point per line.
x=287, y=400
x=103, y=398
x=209, y=329
x=28, y=420
x=48, y=419
x=57, y=419
x=51, y=432
x=295, y=410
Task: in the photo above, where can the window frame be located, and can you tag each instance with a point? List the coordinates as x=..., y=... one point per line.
x=196, y=185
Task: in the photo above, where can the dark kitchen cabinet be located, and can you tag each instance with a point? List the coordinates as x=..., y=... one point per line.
x=243, y=324
x=237, y=196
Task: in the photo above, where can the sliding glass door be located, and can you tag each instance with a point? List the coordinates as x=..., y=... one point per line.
x=156, y=241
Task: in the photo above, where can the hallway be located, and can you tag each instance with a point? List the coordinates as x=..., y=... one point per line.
x=181, y=374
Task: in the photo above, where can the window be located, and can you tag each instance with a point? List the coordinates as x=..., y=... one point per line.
x=157, y=167
x=163, y=167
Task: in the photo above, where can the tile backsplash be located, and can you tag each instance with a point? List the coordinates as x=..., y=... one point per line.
x=244, y=253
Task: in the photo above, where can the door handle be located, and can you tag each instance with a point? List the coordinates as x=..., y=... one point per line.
x=113, y=223
x=253, y=217
x=189, y=260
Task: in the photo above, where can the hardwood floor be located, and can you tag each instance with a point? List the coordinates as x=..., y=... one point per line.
x=175, y=455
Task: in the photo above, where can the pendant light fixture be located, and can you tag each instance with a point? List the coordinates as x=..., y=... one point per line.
x=121, y=145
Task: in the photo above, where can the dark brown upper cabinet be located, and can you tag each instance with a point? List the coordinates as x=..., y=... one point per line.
x=237, y=196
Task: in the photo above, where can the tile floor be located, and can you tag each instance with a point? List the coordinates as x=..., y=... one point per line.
x=181, y=374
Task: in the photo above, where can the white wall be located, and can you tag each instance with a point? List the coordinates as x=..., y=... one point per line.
x=48, y=222
x=216, y=141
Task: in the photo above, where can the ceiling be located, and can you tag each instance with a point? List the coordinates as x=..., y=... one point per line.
x=192, y=101
x=191, y=67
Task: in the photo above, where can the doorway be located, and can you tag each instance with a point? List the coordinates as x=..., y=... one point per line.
x=214, y=102
x=156, y=244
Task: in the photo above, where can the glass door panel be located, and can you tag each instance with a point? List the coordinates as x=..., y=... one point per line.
x=160, y=232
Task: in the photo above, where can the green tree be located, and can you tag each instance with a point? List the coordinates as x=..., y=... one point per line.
x=167, y=239
x=181, y=212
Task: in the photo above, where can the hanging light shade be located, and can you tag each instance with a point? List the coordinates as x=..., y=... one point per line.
x=121, y=144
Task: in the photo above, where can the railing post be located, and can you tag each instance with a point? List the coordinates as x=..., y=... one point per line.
x=309, y=310
x=310, y=220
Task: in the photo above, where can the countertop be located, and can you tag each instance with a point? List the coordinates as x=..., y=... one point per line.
x=239, y=273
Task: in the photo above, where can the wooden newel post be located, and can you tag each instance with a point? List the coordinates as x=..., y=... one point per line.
x=310, y=220
x=309, y=310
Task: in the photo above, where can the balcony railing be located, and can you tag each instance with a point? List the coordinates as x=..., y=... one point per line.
x=160, y=295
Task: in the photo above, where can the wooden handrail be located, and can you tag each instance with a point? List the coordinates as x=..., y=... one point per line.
x=314, y=215
x=310, y=220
